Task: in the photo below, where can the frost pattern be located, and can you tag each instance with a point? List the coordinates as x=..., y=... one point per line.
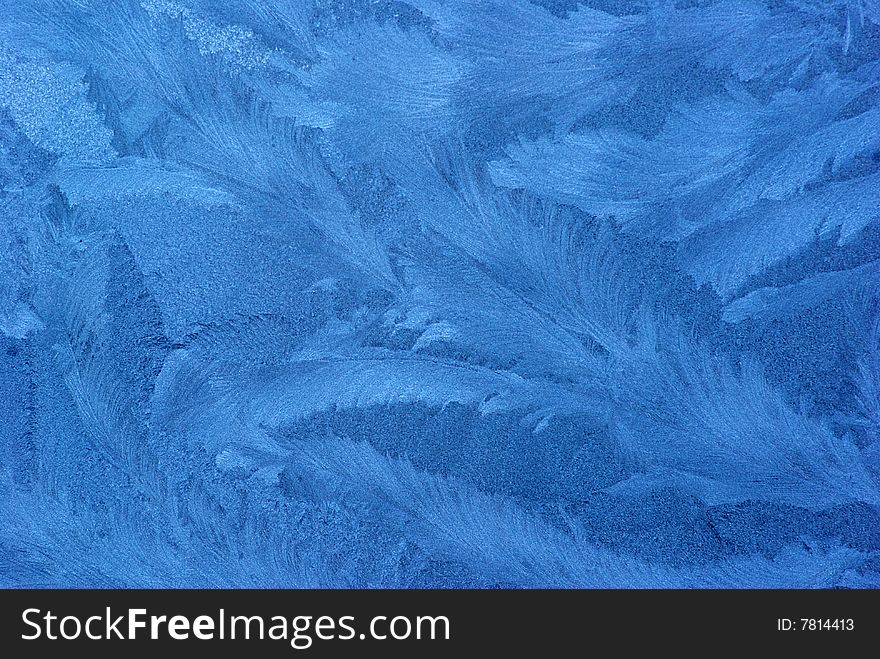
x=440, y=293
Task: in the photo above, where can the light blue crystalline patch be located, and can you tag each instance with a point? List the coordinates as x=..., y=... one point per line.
x=48, y=101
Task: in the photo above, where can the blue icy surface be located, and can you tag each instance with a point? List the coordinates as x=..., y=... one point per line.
x=440, y=293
